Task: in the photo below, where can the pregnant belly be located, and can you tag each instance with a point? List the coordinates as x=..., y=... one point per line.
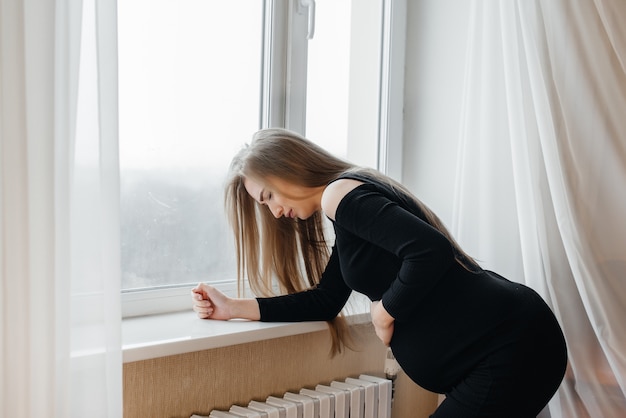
x=416, y=355
x=426, y=356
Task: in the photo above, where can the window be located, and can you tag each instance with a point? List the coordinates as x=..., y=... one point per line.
x=327, y=108
x=197, y=78
x=189, y=97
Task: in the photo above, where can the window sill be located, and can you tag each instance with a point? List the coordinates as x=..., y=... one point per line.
x=153, y=336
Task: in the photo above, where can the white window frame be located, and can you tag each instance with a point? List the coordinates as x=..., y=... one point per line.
x=391, y=100
x=283, y=104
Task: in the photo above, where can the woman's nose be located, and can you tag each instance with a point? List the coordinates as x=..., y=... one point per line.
x=276, y=210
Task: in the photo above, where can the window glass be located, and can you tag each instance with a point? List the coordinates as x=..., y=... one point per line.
x=328, y=76
x=189, y=94
x=343, y=79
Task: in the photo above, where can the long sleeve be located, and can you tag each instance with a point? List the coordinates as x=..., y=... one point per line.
x=320, y=303
x=425, y=255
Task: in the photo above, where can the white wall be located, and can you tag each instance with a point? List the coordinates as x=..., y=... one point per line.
x=435, y=59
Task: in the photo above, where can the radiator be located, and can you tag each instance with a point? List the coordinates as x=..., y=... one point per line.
x=363, y=397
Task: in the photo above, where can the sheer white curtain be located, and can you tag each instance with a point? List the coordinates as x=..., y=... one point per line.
x=542, y=175
x=60, y=322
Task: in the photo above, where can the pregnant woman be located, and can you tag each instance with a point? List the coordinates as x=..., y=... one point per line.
x=492, y=346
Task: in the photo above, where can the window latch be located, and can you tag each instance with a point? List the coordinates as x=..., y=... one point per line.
x=310, y=6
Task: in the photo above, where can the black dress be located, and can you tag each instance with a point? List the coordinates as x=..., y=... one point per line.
x=491, y=345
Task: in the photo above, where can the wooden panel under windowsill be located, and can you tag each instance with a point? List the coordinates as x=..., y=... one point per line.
x=180, y=385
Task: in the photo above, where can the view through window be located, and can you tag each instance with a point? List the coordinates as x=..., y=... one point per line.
x=189, y=99
x=189, y=94
x=328, y=66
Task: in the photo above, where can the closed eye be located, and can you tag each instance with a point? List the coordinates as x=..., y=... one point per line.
x=263, y=200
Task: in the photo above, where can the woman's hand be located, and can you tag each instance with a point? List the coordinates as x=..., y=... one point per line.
x=208, y=302
x=383, y=322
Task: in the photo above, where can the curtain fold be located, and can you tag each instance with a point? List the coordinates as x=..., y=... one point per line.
x=542, y=165
x=60, y=351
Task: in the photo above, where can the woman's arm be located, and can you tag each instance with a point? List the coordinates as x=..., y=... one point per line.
x=381, y=319
x=321, y=303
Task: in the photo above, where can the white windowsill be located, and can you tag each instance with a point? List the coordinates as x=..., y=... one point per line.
x=154, y=336
x=168, y=334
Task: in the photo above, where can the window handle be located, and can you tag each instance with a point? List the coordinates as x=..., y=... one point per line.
x=310, y=6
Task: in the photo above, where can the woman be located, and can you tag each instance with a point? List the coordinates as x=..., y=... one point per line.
x=492, y=346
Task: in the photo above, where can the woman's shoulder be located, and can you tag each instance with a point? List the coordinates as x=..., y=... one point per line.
x=335, y=192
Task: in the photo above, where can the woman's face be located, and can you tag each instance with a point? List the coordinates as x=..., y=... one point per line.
x=284, y=198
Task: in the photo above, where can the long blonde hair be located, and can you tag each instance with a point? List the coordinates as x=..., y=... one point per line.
x=293, y=254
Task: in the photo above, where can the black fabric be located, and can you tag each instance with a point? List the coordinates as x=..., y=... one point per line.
x=482, y=339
